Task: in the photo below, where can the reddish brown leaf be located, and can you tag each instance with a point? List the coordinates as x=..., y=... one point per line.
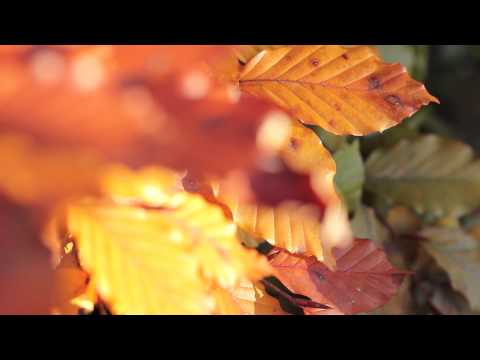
x=364, y=278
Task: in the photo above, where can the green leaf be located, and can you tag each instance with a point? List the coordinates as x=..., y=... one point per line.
x=459, y=255
x=350, y=175
x=429, y=174
x=330, y=141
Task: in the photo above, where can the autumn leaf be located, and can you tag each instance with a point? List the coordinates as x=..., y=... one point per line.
x=295, y=207
x=133, y=104
x=430, y=174
x=363, y=280
x=458, y=254
x=133, y=276
x=343, y=90
x=123, y=244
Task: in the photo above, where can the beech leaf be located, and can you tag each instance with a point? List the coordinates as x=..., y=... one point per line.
x=301, y=224
x=346, y=91
x=363, y=281
x=131, y=250
x=458, y=254
x=430, y=174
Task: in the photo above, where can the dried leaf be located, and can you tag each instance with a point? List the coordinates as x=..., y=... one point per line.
x=430, y=174
x=343, y=90
x=363, y=280
x=459, y=255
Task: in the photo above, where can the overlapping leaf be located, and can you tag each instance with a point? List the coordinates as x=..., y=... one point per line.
x=296, y=208
x=363, y=280
x=343, y=90
x=430, y=174
x=459, y=255
x=131, y=247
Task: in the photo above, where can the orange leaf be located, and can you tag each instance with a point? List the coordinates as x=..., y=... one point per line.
x=343, y=90
x=296, y=210
x=135, y=104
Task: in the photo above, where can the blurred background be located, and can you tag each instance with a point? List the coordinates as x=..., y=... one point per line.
x=452, y=74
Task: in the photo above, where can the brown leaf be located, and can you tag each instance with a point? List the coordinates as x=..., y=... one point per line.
x=458, y=254
x=363, y=280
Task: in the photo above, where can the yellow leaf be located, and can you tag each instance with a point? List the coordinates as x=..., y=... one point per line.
x=297, y=227
x=246, y=299
x=156, y=261
x=151, y=185
x=343, y=90
x=305, y=152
